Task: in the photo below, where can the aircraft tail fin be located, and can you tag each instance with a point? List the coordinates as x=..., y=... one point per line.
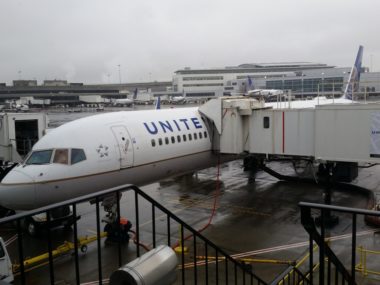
x=135, y=94
x=250, y=85
x=158, y=103
x=353, y=81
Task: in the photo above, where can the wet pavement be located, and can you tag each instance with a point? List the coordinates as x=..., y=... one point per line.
x=254, y=219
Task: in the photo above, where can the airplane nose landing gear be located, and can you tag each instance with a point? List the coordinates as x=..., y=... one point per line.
x=116, y=231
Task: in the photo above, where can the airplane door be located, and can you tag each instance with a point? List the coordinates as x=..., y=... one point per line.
x=125, y=146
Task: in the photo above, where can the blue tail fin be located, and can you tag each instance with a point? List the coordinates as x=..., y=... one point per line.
x=158, y=103
x=353, y=80
x=250, y=85
x=135, y=94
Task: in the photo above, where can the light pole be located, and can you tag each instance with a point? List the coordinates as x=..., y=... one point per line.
x=119, y=73
x=19, y=75
x=323, y=83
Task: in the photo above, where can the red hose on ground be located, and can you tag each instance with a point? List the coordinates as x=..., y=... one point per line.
x=216, y=196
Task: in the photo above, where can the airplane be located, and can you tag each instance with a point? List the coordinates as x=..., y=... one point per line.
x=178, y=99
x=106, y=150
x=125, y=101
x=266, y=94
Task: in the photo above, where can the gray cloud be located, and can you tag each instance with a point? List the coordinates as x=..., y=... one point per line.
x=84, y=41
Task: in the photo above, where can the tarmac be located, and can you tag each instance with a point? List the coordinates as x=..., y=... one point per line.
x=255, y=218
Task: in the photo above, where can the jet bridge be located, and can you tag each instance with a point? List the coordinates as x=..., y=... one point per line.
x=326, y=133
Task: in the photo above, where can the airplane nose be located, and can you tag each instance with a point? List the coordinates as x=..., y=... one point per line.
x=17, y=191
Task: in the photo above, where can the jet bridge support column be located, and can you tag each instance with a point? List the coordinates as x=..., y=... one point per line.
x=326, y=178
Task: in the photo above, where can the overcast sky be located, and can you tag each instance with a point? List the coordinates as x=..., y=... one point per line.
x=86, y=40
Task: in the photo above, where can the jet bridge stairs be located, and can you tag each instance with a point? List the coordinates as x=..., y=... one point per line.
x=200, y=261
x=203, y=263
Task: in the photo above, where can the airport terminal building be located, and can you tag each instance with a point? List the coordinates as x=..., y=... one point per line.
x=304, y=79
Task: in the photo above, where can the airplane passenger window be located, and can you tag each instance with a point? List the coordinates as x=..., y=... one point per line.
x=173, y=139
x=200, y=135
x=167, y=140
x=195, y=136
x=190, y=137
x=160, y=141
x=179, y=138
x=40, y=157
x=205, y=134
x=184, y=138
x=77, y=155
x=61, y=156
x=153, y=142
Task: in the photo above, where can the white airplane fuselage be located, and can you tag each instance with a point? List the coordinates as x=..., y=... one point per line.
x=123, y=101
x=136, y=147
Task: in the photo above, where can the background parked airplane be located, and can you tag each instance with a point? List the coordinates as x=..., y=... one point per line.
x=126, y=101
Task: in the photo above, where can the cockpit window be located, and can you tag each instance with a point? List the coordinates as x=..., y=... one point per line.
x=61, y=156
x=77, y=155
x=40, y=157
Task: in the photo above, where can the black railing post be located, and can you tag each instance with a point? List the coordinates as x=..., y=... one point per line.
x=99, y=241
x=235, y=272
x=20, y=251
x=119, y=229
x=195, y=258
x=206, y=263
x=50, y=249
x=168, y=229
x=216, y=267
x=137, y=224
x=353, y=258
x=322, y=250
x=76, y=253
x=154, y=225
x=226, y=264
x=182, y=254
x=311, y=258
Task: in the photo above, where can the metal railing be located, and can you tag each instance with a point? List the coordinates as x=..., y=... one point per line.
x=292, y=275
x=161, y=227
x=331, y=268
